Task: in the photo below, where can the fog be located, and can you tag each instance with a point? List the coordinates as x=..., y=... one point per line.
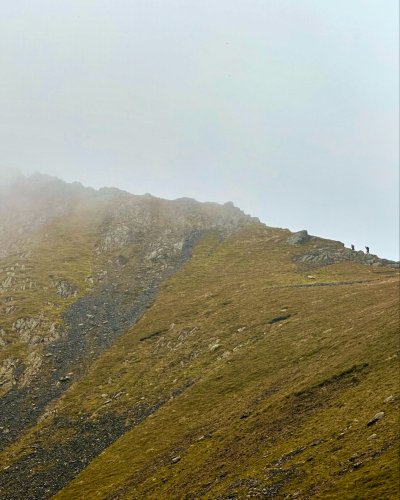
x=288, y=108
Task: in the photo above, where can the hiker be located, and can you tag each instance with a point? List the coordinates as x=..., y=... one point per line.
x=367, y=249
x=352, y=247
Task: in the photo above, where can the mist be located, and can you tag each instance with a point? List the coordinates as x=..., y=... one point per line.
x=289, y=109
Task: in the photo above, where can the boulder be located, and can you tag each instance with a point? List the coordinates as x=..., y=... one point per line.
x=298, y=238
x=377, y=417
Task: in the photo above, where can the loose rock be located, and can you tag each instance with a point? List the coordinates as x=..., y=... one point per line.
x=377, y=417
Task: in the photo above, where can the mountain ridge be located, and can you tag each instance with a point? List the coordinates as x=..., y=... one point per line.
x=119, y=311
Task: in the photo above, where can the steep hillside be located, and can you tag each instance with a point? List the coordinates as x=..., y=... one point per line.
x=78, y=268
x=156, y=349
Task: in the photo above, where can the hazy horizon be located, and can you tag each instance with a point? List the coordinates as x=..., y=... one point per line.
x=288, y=109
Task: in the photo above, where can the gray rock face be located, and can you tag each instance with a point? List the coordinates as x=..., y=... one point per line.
x=7, y=379
x=25, y=327
x=332, y=255
x=65, y=289
x=299, y=238
x=35, y=330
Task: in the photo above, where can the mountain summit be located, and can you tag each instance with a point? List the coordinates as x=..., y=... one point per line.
x=176, y=349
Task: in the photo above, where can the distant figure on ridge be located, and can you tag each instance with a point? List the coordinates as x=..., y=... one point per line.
x=367, y=249
x=352, y=247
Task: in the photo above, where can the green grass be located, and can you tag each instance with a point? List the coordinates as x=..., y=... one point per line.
x=282, y=405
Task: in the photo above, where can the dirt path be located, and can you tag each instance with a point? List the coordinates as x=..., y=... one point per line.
x=338, y=283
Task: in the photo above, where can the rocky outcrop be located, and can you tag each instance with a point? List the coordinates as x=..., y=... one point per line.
x=7, y=371
x=299, y=238
x=35, y=330
x=321, y=255
x=33, y=364
x=25, y=327
x=65, y=289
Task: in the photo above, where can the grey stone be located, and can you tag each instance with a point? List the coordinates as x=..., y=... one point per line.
x=298, y=238
x=65, y=289
x=375, y=419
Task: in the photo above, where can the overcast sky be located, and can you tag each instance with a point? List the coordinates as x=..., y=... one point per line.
x=289, y=108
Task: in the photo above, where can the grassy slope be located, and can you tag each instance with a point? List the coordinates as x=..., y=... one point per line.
x=306, y=386
x=50, y=255
x=277, y=407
